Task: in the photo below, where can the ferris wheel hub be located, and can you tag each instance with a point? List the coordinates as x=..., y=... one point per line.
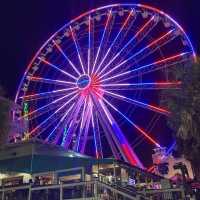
x=83, y=81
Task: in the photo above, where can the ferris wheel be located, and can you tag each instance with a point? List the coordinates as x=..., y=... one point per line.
x=95, y=84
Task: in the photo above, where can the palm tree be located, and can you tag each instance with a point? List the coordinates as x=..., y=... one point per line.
x=4, y=117
x=185, y=107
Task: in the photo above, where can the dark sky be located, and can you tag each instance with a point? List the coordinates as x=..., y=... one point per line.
x=25, y=25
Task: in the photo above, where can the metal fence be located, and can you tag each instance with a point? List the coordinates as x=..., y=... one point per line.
x=93, y=190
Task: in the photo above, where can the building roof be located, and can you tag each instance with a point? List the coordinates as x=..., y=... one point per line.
x=35, y=157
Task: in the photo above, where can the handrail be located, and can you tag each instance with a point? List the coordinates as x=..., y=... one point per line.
x=96, y=183
x=115, y=190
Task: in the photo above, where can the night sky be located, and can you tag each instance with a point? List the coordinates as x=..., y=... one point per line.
x=25, y=25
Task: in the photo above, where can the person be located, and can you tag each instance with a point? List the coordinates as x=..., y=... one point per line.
x=110, y=178
x=37, y=181
x=41, y=180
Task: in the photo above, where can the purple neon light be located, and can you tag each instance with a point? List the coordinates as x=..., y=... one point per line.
x=81, y=126
x=59, y=123
x=89, y=44
x=45, y=94
x=163, y=61
x=77, y=49
x=51, y=81
x=149, y=46
x=102, y=38
x=66, y=57
x=136, y=126
x=132, y=40
x=114, y=41
x=56, y=67
x=139, y=103
x=153, y=85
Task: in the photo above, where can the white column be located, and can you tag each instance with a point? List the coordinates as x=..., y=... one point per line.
x=3, y=194
x=29, y=193
x=61, y=191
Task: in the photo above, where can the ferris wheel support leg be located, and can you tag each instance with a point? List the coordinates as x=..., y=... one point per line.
x=96, y=131
x=124, y=145
x=107, y=129
x=106, y=123
x=116, y=134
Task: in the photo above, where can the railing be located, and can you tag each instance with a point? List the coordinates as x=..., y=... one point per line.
x=92, y=190
x=169, y=194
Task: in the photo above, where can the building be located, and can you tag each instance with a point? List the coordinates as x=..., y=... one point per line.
x=15, y=126
x=35, y=170
x=160, y=156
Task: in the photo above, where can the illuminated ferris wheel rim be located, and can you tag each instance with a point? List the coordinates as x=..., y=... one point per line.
x=85, y=80
x=100, y=8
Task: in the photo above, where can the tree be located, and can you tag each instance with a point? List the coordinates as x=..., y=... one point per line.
x=4, y=117
x=185, y=107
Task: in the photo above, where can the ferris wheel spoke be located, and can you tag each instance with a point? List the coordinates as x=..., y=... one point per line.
x=143, y=86
x=78, y=50
x=71, y=119
x=149, y=49
x=181, y=58
x=76, y=146
x=137, y=38
x=141, y=139
x=51, y=81
x=38, y=114
x=86, y=130
x=158, y=65
x=87, y=111
x=89, y=44
x=72, y=128
x=102, y=39
x=85, y=121
x=49, y=138
x=50, y=105
x=97, y=137
x=103, y=119
x=140, y=130
x=141, y=35
x=56, y=67
x=66, y=131
x=149, y=128
x=114, y=41
x=120, y=140
x=44, y=95
x=47, y=119
x=42, y=129
x=46, y=109
x=34, y=115
x=67, y=123
x=66, y=57
x=138, y=103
